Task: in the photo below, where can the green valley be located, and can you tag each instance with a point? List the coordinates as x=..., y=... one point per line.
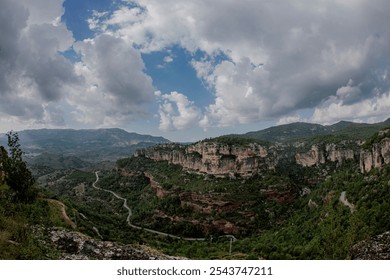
x=312, y=197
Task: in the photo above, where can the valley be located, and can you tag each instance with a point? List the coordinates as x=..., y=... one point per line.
x=301, y=197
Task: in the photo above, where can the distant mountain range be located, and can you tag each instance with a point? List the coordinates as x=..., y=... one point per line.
x=73, y=148
x=304, y=131
x=69, y=148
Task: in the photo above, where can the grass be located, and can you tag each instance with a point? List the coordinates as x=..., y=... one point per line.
x=17, y=239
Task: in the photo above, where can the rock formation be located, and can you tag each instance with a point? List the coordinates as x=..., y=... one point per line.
x=246, y=160
x=77, y=246
x=215, y=158
x=376, y=248
x=320, y=154
x=219, y=159
x=376, y=156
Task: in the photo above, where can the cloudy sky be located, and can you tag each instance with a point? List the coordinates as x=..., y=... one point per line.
x=192, y=69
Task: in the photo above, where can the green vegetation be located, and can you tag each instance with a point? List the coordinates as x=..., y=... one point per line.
x=22, y=206
x=315, y=225
x=292, y=212
x=236, y=140
x=17, y=176
x=304, y=131
x=376, y=138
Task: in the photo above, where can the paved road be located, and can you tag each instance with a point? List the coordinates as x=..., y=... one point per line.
x=130, y=213
x=345, y=201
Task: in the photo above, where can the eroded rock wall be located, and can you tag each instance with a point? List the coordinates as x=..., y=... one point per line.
x=320, y=154
x=214, y=158
x=376, y=157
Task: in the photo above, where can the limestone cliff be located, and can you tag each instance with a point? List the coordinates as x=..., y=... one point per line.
x=377, y=154
x=215, y=158
x=322, y=153
x=245, y=160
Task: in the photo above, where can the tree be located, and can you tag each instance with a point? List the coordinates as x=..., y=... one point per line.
x=18, y=176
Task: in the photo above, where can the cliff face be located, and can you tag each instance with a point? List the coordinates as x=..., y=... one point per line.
x=376, y=157
x=246, y=160
x=319, y=154
x=215, y=158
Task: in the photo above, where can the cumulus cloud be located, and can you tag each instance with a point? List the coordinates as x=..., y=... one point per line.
x=291, y=119
x=33, y=73
x=349, y=94
x=176, y=111
x=373, y=109
x=38, y=85
x=283, y=56
x=261, y=60
x=116, y=88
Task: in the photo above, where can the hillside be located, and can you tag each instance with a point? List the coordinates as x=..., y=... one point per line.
x=321, y=197
x=296, y=131
x=282, y=200
x=65, y=148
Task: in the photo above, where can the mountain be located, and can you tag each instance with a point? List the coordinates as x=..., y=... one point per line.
x=76, y=146
x=301, y=130
x=302, y=144
x=297, y=198
x=312, y=196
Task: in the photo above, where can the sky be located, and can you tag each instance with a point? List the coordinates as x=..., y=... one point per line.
x=192, y=69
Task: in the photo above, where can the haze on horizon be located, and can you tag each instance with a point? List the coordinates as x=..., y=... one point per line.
x=187, y=70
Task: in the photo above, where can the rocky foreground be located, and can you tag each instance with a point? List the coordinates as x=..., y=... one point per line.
x=376, y=248
x=73, y=245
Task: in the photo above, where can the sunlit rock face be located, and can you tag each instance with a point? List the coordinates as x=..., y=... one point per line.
x=320, y=154
x=250, y=159
x=215, y=158
x=376, y=157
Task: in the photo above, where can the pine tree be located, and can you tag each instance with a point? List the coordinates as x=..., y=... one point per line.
x=18, y=177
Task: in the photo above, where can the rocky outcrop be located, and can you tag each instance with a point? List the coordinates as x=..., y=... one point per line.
x=245, y=160
x=312, y=157
x=376, y=156
x=215, y=158
x=77, y=246
x=320, y=154
x=376, y=248
x=160, y=191
x=203, y=203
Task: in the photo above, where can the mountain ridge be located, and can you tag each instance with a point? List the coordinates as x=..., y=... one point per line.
x=91, y=145
x=293, y=131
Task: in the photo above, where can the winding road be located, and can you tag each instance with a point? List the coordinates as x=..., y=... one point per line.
x=345, y=201
x=130, y=213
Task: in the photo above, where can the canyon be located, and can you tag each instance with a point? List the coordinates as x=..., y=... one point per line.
x=219, y=159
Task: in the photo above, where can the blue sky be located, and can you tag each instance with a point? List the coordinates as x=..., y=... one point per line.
x=189, y=70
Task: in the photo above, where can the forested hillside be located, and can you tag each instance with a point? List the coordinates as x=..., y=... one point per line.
x=322, y=197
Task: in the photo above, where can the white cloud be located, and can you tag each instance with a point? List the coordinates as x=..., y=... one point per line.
x=372, y=110
x=176, y=111
x=117, y=89
x=106, y=87
x=262, y=60
x=32, y=72
x=349, y=93
x=291, y=119
x=168, y=59
x=307, y=51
